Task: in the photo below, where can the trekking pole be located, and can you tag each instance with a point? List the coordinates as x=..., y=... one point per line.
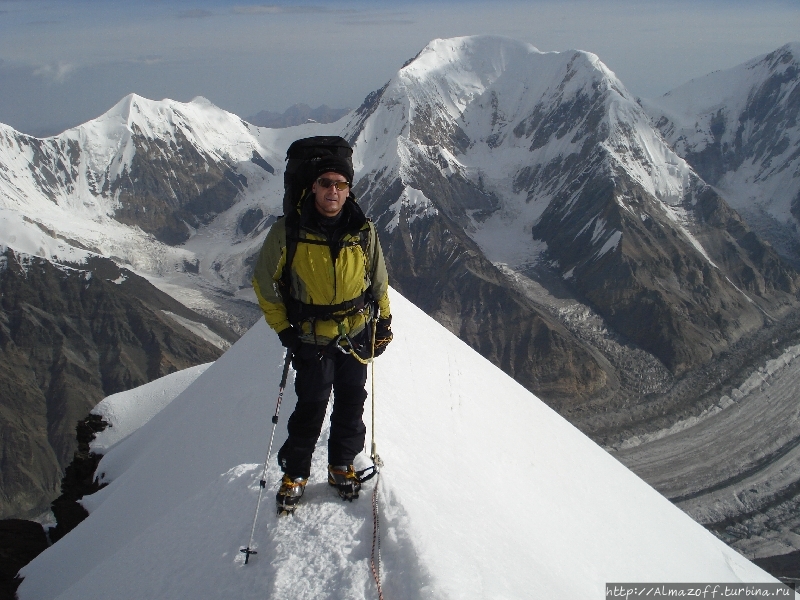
x=263, y=483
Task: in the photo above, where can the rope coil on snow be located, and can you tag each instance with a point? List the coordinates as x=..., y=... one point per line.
x=375, y=557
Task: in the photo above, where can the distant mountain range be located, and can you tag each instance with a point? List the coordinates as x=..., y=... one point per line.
x=297, y=114
x=561, y=227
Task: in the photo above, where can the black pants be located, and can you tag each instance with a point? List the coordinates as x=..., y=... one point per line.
x=319, y=370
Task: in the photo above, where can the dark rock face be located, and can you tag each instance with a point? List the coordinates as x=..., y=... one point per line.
x=436, y=265
x=257, y=159
x=20, y=542
x=250, y=220
x=654, y=286
x=69, y=336
x=171, y=185
x=79, y=479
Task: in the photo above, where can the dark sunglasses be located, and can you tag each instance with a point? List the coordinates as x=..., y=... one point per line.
x=324, y=182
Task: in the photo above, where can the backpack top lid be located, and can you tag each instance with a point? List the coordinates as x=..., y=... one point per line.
x=308, y=158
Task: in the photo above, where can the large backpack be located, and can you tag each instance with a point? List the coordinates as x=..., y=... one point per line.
x=301, y=160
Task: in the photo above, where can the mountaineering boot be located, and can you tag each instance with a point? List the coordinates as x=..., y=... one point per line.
x=345, y=479
x=289, y=494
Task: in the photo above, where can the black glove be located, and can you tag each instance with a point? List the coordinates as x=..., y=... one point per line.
x=383, y=334
x=290, y=339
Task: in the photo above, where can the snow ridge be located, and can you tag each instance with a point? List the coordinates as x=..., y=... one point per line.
x=186, y=483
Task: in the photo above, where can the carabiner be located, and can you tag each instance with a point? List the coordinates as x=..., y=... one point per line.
x=341, y=348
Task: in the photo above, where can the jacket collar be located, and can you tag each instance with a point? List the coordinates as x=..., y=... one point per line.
x=353, y=218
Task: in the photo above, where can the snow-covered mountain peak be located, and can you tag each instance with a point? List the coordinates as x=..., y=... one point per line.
x=727, y=90
x=740, y=128
x=540, y=159
x=138, y=164
x=131, y=111
x=481, y=57
x=490, y=109
x=199, y=122
x=202, y=100
x=453, y=73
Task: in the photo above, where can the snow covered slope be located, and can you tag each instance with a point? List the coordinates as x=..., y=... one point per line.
x=486, y=493
x=126, y=412
x=739, y=129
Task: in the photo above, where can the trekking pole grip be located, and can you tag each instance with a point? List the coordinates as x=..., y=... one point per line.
x=286, y=365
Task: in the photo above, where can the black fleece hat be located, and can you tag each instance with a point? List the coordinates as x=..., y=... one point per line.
x=334, y=164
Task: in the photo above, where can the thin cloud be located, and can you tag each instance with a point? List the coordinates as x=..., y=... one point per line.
x=375, y=20
x=57, y=72
x=273, y=9
x=195, y=13
x=150, y=59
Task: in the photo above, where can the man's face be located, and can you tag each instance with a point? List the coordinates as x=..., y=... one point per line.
x=328, y=200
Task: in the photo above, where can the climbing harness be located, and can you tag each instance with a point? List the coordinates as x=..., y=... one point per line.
x=263, y=483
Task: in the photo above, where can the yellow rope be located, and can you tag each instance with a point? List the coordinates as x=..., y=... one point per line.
x=375, y=556
x=371, y=359
x=374, y=454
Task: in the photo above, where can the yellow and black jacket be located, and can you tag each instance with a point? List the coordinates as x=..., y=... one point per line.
x=328, y=277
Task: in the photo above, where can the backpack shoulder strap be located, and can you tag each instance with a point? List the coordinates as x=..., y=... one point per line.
x=368, y=235
x=292, y=238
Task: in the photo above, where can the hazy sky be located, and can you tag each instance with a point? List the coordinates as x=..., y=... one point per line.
x=65, y=62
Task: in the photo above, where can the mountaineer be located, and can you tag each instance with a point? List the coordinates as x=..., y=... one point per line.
x=322, y=284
